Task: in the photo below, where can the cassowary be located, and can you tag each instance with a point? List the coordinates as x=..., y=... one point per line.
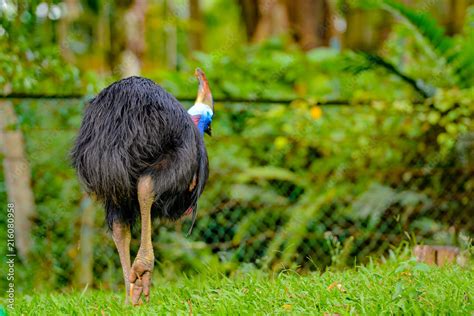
x=141, y=154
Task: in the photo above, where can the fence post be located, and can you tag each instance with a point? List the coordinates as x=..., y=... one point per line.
x=17, y=178
x=85, y=259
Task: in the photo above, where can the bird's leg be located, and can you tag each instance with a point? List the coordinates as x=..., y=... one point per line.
x=140, y=274
x=121, y=235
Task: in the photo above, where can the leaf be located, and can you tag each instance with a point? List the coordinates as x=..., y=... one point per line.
x=421, y=267
x=460, y=56
x=268, y=173
x=424, y=24
x=253, y=193
x=322, y=54
x=293, y=232
x=374, y=202
x=412, y=198
x=399, y=288
x=363, y=61
x=378, y=198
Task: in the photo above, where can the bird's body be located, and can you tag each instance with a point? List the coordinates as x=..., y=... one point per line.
x=141, y=154
x=135, y=128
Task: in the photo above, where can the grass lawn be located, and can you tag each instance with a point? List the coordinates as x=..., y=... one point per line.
x=394, y=288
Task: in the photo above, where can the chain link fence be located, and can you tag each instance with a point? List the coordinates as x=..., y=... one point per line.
x=378, y=221
x=285, y=190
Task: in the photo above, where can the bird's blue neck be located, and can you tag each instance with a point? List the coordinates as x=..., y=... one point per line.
x=202, y=125
x=201, y=115
x=201, y=122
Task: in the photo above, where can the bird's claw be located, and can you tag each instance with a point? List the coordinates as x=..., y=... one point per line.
x=140, y=281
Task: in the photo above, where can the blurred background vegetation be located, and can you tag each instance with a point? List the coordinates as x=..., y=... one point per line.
x=342, y=128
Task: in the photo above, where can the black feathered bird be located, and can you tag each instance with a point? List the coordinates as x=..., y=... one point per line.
x=143, y=155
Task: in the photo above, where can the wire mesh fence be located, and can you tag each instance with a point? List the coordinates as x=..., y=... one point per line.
x=290, y=186
x=381, y=219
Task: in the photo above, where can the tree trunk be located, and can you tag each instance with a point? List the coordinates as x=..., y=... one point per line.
x=196, y=26
x=456, y=16
x=273, y=20
x=366, y=30
x=17, y=178
x=72, y=12
x=102, y=33
x=171, y=36
x=308, y=21
x=85, y=259
x=127, y=37
x=250, y=16
x=311, y=22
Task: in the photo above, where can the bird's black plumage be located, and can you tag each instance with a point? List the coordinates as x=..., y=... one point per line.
x=134, y=128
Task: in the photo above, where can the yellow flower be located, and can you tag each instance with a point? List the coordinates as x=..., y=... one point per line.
x=316, y=112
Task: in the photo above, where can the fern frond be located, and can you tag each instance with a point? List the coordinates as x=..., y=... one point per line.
x=459, y=57
x=418, y=85
x=293, y=232
x=367, y=61
x=426, y=25
x=463, y=64
x=287, y=240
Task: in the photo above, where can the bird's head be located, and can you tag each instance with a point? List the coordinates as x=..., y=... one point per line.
x=203, y=109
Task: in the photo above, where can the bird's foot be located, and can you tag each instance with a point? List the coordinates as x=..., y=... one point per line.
x=140, y=278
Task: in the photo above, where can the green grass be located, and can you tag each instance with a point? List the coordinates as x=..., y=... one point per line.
x=395, y=288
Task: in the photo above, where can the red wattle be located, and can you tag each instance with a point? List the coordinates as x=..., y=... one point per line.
x=196, y=119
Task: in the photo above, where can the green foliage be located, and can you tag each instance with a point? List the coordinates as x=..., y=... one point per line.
x=425, y=25
x=451, y=115
x=362, y=61
x=455, y=54
x=273, y=71
x=31, y=60
x=373, y=203
x=435, y=65
x=25, y=68
x=463, y=59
